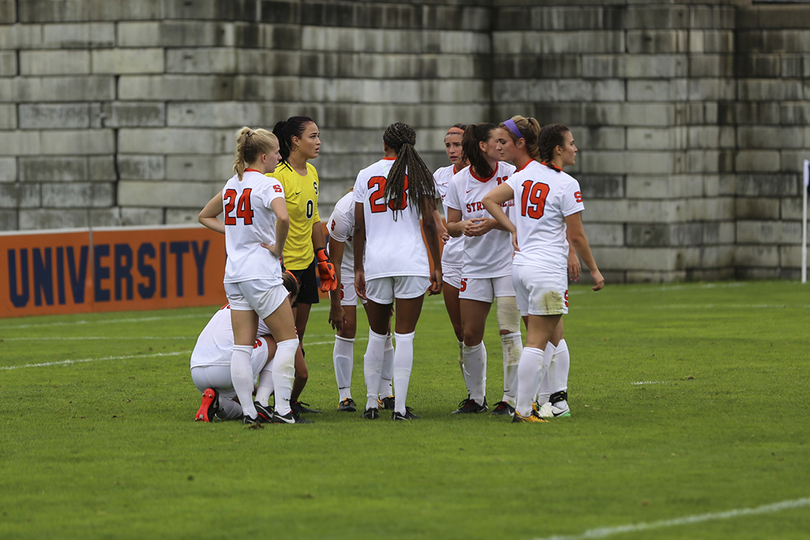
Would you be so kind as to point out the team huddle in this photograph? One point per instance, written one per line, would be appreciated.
(512, 235)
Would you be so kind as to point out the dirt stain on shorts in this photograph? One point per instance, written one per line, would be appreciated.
(552, 301)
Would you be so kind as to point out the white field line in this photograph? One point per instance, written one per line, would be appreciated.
(105, 321)
(639, 383)
(115, 338)
(604, 532)
(132, 356)
(81, 360)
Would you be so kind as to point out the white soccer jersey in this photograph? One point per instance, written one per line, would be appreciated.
(214, 346)
(490, 255)
(341, 228)
(249, 222)
(543, 198)
(454, 248)
(393, 247)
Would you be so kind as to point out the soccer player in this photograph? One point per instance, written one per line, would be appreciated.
(255, 227)
(549, 204)
(305, 250)
(453, 247)
(211, 365)
(343, 310)
(390, 260)
(486, 269)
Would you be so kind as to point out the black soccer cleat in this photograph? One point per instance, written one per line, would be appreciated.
(470, 406)
(265, 413)
(409, 415)
(302, 408)
(502, 408)
(347, 405)
(386, 403)
(289, 418)
(252, 423)
(371, 414)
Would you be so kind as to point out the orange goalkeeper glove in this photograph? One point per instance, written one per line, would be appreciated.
(326, 271)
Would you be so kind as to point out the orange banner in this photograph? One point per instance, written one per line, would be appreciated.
(55, 272)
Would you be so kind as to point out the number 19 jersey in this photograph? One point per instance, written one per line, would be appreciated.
(543, 199)
(393, 247)
(250, 222)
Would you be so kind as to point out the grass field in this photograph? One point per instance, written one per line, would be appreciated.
(689, 406)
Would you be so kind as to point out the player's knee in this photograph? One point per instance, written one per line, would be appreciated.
(508, 315)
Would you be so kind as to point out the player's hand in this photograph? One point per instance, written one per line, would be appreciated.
(326, 271)
(337, 317)
(435, 282)
(574, 266)
(514, 242)
(272, 249)
(360, 283)
(474, 227)
(598, 280)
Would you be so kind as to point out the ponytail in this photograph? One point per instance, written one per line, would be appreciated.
(527, 129)
(408, 166)
(471, 150)
(250, 145)
(286, 130)
(551, 136)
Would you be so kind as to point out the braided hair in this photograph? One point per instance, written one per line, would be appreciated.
(250, 145)
(551, 136)
(408, 173)
(286, 130)
(529, 131)
(471, 151)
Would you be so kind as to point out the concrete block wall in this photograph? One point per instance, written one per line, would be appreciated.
(690, 116)
(690, 119)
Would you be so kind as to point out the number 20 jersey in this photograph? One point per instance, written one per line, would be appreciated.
(543, 199)
(393, 248)
(249, 222)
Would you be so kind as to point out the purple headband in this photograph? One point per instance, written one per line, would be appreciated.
(513, 128)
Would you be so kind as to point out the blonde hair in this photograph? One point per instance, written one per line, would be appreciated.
(250, 145)
(530, 132)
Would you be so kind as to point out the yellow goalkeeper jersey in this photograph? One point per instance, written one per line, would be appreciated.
(301, 194)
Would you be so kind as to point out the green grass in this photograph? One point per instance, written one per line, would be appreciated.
(105, 446)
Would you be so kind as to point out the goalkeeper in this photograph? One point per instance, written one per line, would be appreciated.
(304, 253)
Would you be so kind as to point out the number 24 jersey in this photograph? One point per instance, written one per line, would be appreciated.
(249, 222)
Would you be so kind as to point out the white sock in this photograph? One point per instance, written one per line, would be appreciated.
(242, 378)
(464, 373)
(512, 349)
(545, 387)
(387, 374)
(265, 387)
(529, 374)
(403, 364)
(228, 409)
(475, 361)
(560, 366)
(284, 373)
(372, 366)
(343, 359)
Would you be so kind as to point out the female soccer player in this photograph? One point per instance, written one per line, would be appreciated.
(486, 269)
(390, 259)
(343, 310)
(548, 201)
(255, 217)
(305, 252)
(453, 247)
(211, 365)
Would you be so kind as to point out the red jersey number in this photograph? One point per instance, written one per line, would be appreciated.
(377, 184)
(243, 208)
(533, 201)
